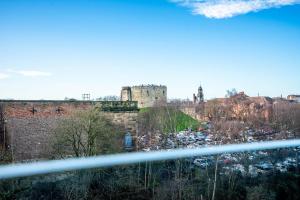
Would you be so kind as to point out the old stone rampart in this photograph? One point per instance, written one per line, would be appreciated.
(27, 126)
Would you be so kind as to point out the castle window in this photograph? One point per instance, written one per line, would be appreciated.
(156, 98)
(148, 92)
(163, 92)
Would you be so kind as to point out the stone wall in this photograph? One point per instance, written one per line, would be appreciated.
(127, 120)
(31, 138)
(195, 111)
(126, 94)
(145, 95)
(29, 124)
(2, 129)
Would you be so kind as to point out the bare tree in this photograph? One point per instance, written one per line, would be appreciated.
(109, 98)
(286, 117)
(215, 179)
(86, 133)
(230, 93)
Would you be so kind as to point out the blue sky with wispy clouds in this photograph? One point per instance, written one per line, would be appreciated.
(54, 49)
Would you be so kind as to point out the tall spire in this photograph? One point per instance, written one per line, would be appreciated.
(200, 94)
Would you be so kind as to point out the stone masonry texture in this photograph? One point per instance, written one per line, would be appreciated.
(29, 125)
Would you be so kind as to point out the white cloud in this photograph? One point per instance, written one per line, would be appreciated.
(219, 9)
(33, 73)
(30, 73)
(3, 76)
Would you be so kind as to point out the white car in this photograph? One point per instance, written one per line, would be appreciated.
(281, 167)
(203, 163)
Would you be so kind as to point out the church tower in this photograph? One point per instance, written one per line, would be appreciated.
(200, 94)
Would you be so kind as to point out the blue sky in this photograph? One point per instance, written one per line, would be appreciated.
(63, 48)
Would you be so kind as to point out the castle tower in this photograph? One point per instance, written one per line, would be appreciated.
(145, 95)
(126, 94)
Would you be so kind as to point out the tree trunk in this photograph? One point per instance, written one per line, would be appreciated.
(215, 180)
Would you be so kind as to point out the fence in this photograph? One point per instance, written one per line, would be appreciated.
(45, 167)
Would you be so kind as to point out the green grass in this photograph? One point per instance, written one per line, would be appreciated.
(185, 121)
(144, 110)
(171, 117)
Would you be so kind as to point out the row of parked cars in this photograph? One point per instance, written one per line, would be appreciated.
(250, 163)
(231, 163)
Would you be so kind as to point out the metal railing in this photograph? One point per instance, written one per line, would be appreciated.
(53, 166)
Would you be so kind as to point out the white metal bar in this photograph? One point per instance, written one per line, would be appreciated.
(52, 166)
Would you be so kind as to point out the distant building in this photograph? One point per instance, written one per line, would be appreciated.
(200, 96)
(145, 95)
(295, 98)
(242, 106)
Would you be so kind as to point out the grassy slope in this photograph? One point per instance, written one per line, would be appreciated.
(183, 121)
(186, 121)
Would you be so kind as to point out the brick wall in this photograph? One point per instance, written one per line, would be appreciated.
(30, 124)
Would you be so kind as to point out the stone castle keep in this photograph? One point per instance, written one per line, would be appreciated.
(145, 95)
